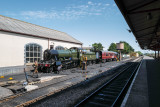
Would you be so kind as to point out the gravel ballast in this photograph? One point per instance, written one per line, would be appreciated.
(71, 96)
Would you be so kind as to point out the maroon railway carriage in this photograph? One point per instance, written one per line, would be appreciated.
(108, 56)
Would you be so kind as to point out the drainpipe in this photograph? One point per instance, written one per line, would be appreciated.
(155, 55)
(158, 54)
(48, 43)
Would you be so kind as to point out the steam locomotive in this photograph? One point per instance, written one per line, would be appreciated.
(72, 57)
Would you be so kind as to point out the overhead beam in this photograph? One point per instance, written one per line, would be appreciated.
(145, 28)
(158, 33)
(143, 5)
(156, 29)
(144, 11)
(145, 35)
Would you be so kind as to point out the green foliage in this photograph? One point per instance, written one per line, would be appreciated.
(127, 48)
(139, 52)
(150, 54)
(97, 46)
(112, 47)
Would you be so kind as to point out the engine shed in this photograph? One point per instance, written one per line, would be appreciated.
(23, 43)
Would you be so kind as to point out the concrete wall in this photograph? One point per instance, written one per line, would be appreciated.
(12, 48)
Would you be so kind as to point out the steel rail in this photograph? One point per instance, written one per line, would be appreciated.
(19, 94)
(127, 83)
(28, 92)
(107, 83)
(6, 99)
(44, 96)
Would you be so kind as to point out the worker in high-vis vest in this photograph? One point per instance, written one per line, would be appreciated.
(84, 63)
(35, 69)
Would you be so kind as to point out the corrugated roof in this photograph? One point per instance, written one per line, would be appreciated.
(17, 26)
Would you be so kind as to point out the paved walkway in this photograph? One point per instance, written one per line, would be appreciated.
(153, 74)
(145, 89)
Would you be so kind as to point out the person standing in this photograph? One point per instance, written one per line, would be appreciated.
(84, 63)
(59, 69)
(35, 69)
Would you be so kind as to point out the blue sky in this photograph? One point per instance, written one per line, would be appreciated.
(89, 21)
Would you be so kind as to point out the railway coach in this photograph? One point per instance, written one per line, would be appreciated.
(109, 56)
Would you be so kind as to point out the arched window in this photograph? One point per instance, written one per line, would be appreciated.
(33, 53)
(59, 48)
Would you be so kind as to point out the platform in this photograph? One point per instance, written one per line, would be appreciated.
(144, 91)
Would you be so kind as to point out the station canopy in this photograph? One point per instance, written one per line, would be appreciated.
(143, 18)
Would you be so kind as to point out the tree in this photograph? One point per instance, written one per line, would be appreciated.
(139, 52)
(127, 48)
(112, 47)
(97, 46)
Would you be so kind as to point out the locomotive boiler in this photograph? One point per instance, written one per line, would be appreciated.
(54, 58)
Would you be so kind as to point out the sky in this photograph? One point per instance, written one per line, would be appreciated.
(89, 21)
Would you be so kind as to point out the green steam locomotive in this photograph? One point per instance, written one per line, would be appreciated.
(73, 57)
(70, 58)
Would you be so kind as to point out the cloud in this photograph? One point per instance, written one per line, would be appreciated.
(69, 12)
(114, 5)
(107, 4)
(99, 4)
(90, 3)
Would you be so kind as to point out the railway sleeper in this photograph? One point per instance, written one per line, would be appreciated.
(115, 87)
(109, 92)
(106, 95)
(118, 84)
(123, 79)
(102, 101)
(112, 89)
(95, 104)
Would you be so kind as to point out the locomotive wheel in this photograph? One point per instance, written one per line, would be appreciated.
(89, 62)
(44, 70)
(103, 61)
(74, 64)
(39, 69)
(70, 65)
(106, 60)
(49, 70)
(92, 62)
(65, 67)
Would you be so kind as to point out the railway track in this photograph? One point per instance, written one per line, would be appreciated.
(9, 100)
(80, 90)
(112, 92)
